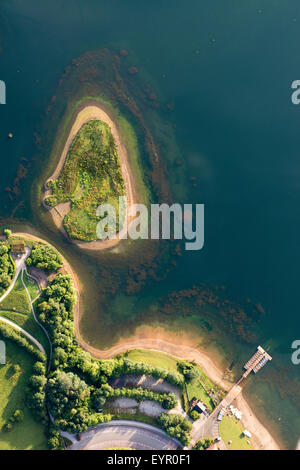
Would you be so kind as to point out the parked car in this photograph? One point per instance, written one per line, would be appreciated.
(221, 414)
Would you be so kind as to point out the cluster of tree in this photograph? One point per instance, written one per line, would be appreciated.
(55, 309)
(16, 417)
(188, 370)
(36, 396)
(203, 444)
(44, 257)
(55, 441)
(7, 268)
(117, 367)
(69, 399)
(176, 426)
(9, 333)
(51, 201)
(7, 233)
(167, 400)
(194, 415)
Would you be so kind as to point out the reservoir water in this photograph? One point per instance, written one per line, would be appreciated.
(227, 67)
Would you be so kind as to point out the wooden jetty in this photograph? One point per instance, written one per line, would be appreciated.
(257, 361)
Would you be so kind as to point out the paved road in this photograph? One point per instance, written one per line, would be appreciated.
(210, 426)
(126, 434)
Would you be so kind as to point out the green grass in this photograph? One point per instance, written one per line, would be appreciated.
(91, 176)
(195, 389)
(134, 417)
(17, 300)
(28, 434)
(231, 430)
(31, 286)
(29, 325)
(154, 358)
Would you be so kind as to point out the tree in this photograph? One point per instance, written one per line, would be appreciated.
(44, 257)
(7, 232)
(203, 444)
(194, 415)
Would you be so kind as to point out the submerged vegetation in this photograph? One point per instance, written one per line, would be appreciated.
(91, 176)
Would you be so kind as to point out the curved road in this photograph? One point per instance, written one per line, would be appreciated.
(126, 434)
(17, 327)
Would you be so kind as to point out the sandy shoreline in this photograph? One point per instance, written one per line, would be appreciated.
(160, 340)
(93, 110)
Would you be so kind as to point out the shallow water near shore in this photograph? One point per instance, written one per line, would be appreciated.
(227, 74)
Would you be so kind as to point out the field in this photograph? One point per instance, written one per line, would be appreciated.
(231, 430)
(28, 324)
(17, 300)
(91, 176)
(31, 286)
(154, 358)
(28, 434)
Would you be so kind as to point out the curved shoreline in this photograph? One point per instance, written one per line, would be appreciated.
(86, 112)
(263, 440)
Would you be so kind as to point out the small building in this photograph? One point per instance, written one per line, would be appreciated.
(18, 247)
(199, 407)
(247, 433)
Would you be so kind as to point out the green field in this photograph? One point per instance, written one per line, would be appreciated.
(17, 300)
(28, 434)
(231, 430)
(29, 325)
(91, 176)
(154, 358)
(32, 287)
(195, 389)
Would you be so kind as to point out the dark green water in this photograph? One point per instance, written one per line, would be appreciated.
(228, 67)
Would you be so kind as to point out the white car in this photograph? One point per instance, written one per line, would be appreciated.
(221, 414)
